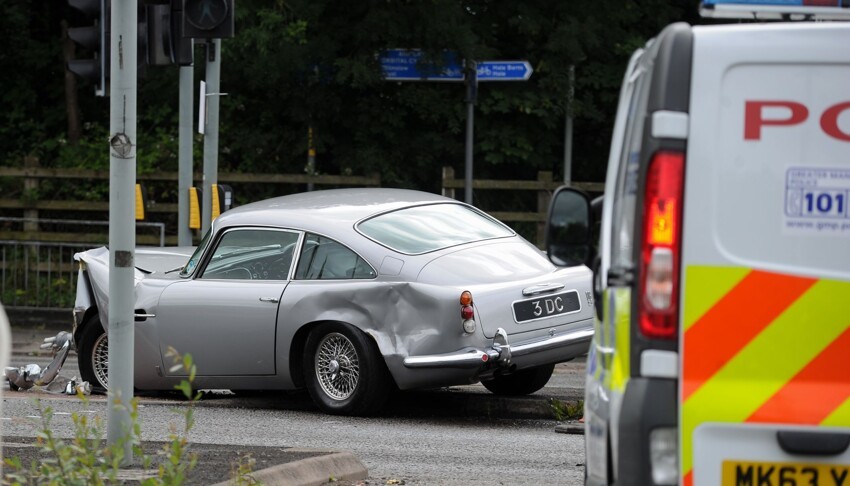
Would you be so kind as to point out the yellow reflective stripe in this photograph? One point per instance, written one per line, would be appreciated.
(216, 205)
(140, 203)
(621, 363)
(750, 378)
(596, 357)
(194, 209)
(840, 417)
(602, 342)
(704, 286)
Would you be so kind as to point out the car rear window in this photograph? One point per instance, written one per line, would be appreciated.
(421, 229)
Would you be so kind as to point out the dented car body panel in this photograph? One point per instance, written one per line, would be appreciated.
(244, 313)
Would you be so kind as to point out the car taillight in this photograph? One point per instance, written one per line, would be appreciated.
(660, 248)
(467, 313)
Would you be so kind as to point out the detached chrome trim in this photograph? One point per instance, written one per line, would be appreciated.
(500, 352)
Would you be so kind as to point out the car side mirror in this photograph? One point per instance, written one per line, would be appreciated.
(569, 227)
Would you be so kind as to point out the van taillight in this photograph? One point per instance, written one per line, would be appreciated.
(660, 249)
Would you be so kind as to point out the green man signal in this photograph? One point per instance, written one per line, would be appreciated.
(208, 19)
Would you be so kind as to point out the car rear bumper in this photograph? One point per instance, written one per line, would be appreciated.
(501, 352)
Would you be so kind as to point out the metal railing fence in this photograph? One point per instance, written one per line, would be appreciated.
(43, 273)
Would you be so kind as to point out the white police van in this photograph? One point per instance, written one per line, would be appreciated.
(722, 351)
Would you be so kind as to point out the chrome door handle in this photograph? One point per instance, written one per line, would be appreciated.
(269, 299)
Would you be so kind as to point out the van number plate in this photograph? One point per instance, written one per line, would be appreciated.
(547, 306)
(737, 473)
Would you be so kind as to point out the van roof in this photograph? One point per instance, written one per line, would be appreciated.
(776, 9)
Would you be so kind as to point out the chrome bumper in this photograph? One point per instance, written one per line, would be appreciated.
(500, 352)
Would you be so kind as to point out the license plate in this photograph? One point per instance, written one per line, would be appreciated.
(737, 473)
(547, 306)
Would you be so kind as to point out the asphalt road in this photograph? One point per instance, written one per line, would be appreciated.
(448, 436)
(416, 450)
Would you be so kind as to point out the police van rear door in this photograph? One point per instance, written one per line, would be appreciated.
(765, 327)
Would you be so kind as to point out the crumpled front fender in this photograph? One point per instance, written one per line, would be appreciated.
(93, 285)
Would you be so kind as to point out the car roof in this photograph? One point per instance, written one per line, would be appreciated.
(315, 210)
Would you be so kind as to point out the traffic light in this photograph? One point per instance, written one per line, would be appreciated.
(94, 38)
(208, 19)
(166, 44)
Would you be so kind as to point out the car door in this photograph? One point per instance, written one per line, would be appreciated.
(226, 315)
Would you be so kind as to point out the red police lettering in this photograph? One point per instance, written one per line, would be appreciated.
(797, 113)
(754, 119)
(829, 121)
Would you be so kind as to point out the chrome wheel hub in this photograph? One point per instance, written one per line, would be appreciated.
(337, 366)
(333, 369)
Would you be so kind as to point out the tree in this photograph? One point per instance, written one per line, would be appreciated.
(296, 64)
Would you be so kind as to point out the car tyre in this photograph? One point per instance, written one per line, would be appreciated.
(523, 382)
(344, 372)
(93, 353)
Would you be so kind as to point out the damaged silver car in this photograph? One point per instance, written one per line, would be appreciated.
(350, 293)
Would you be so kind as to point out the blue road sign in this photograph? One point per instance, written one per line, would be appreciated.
(408, 65)
(405, 65)
(504, 71)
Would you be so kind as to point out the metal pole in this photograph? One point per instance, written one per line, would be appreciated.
(568, 129)
(471, 96)
(211, 131)
(5, 352)
(122, 227)
(184, 178)
(311, 157)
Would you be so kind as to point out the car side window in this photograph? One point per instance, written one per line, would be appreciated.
(325, 259)
(252, 254)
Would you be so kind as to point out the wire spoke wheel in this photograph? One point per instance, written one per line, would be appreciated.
(337, 366)
(100, 359)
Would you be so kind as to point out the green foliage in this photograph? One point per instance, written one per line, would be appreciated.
(87, 460)
(566, 410)
(241, 473)
(25, 277)
(295, 64)
(82, 460)
(177, 465)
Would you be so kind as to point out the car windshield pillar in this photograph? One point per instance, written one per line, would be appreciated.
(192, 263)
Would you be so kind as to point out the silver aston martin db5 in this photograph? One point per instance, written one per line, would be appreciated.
(350, 293)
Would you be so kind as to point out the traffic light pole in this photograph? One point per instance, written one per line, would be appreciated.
(184, 177)
(213, 77)
(471, 98)
(122, 228)
(568, 128)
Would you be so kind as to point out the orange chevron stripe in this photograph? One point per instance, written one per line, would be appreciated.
(733, 322)
(815, 392)
(688, 480)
